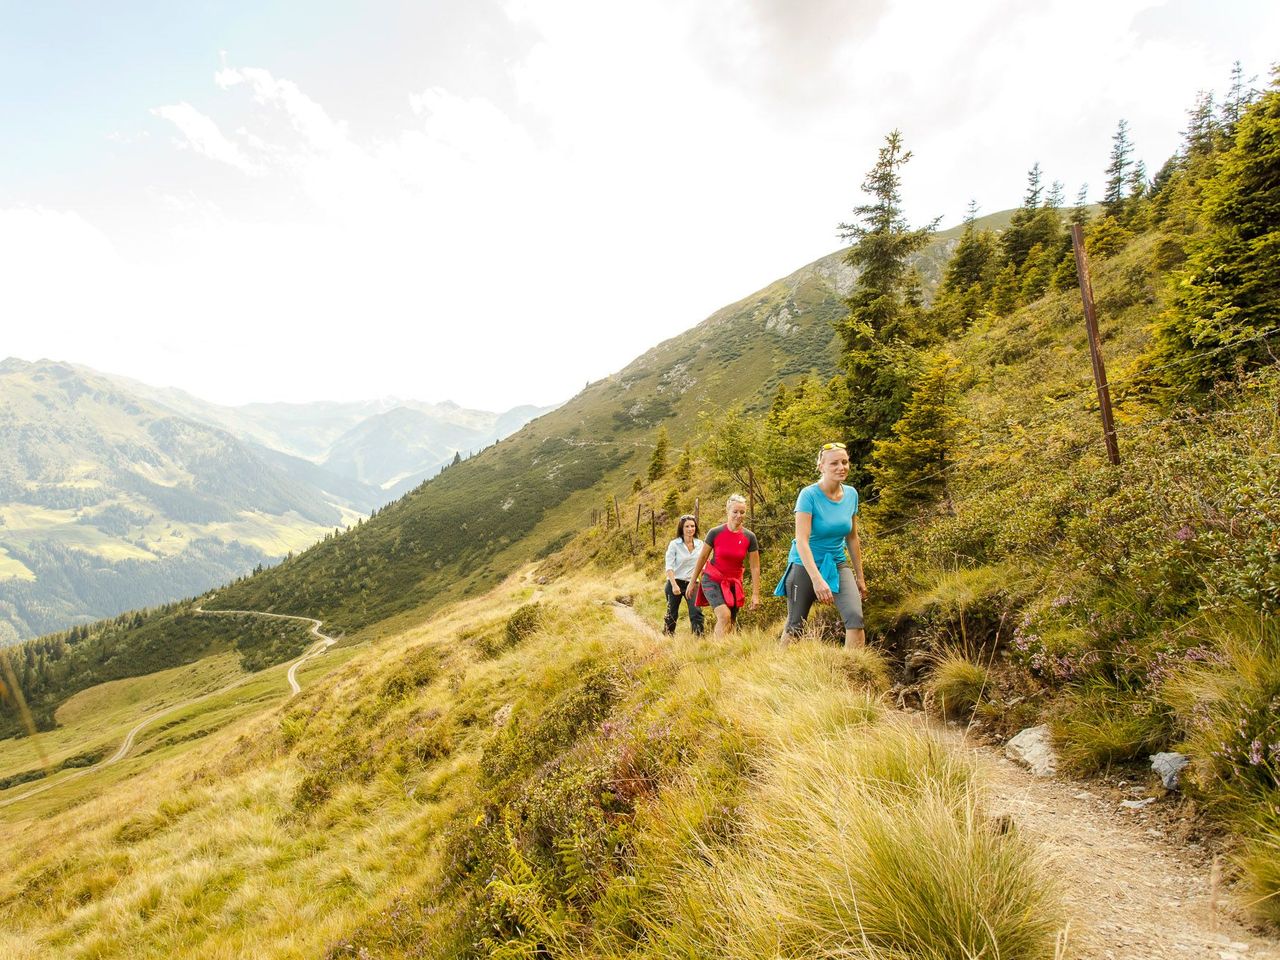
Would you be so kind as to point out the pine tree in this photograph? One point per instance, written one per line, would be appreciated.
(658, 462)
(1080, 212)
(1118, 171)
(878, 333)
(1203, 133)
(1004, 294)
(968, 277)
(1228, 298)
(910, 468)
(671, 505)
(1239, 96)
(684, 467)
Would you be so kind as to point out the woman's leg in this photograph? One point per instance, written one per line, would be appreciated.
(695, 612)
(724, 620)
(849, 603)
(800, 597)
(673, 610)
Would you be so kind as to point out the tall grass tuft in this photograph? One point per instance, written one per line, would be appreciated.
(1225, 698)
(875, 846)
(957, 685)
(867, 668)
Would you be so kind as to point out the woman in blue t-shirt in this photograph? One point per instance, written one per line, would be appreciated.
(825, 563)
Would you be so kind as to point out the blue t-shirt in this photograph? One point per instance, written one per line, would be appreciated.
(832, 522)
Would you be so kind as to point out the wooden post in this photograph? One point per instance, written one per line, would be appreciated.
(751, 494)
(637, 517)
(696, 501)
(653, 526)
(1095, 348)
(617, 511)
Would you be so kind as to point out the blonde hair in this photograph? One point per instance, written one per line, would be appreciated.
(734, 498)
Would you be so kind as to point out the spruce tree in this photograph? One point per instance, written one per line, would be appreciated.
(968, 277)
(1080, 212)
(910, 468)
(878, 332)
(1118, 171)
(1228, 298)
(658, 462)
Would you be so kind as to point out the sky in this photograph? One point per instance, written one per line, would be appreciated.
(497, 202)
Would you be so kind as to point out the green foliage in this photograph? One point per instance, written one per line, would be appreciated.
(1228, 297)
(658, 462)
(1099, 724)
(52, 669)
(958, 685)
(882, 321)
(910, 468)
(867, 668)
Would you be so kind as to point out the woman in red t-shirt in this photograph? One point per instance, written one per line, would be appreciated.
(718, 572)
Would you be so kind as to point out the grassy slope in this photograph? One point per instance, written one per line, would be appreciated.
(447, 792)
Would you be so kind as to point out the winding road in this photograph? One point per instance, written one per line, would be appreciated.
(323, 643)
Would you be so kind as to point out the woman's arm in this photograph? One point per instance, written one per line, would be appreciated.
(804, 526)
(703, 556)
(754, 557)
(671, 573)
(855, 557)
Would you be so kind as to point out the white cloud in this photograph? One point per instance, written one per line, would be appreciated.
(636, 168)
(203, 136)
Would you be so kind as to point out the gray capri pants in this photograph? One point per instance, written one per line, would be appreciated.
(800, 598)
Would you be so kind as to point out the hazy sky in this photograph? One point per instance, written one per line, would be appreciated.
(495, 202)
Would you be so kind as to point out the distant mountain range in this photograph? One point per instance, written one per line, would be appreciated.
(115, 494)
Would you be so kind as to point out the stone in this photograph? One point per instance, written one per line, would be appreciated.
(1033, 749)
(1137, 804)
(1168, 765)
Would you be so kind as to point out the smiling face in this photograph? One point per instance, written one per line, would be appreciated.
(833, 464)
(689, 529)
(737, 513)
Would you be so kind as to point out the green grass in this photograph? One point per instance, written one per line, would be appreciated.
(958, 685)
(577, 786)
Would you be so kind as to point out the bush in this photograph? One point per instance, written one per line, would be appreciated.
(1097, 724)
(867, 668)
(523, 623)
(957, 685)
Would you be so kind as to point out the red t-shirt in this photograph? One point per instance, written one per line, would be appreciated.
(729, 550)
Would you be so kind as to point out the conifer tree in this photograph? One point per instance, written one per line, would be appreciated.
(910, 467)
(1239, 96)
(658, 462)
(684, 467)
(671, 505)
(968, 277)
(1004, 294)
(878, 332)
(1080, 212)
(1118, 171)
(1228, 297)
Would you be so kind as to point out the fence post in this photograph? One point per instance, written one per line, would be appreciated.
(1095, 348)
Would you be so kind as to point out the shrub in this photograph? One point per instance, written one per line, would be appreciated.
(867, 668)
(1097, 724)
(958, 685)
(522, 624)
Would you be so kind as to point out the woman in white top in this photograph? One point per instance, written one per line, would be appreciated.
(682, 554)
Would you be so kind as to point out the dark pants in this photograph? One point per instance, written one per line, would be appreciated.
(673, 609)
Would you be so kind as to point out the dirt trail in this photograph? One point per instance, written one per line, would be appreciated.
(1132, 893)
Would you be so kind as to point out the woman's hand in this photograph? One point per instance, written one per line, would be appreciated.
(862, 588)
(822, 591)
(755, 602)
(675, 588)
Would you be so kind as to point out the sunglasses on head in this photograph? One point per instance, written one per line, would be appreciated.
(833, 446)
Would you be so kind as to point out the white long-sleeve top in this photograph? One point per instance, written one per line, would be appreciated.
(681, 561)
